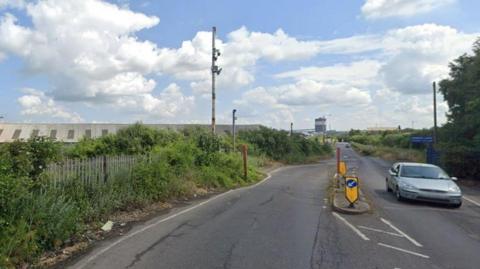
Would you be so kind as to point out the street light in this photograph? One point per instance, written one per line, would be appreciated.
(234, 118)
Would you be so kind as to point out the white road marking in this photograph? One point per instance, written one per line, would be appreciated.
(120, 240)
(324, 207)
(404, 250)
(402, 233)
(378, 230)
(420, 208)
(357, 231)
(471, 201)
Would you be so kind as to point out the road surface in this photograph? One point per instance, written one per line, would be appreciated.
(285, 222)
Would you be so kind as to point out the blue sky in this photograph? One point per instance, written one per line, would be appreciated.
(361, 63)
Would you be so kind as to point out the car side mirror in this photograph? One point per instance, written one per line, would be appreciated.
(454, 178)
(393, 172)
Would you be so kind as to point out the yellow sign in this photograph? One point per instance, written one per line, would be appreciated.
(343, 168)
(351, 189)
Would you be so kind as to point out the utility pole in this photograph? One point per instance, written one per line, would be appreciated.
(434, 113)
(291, 129)
(215, 71)
(234, 118)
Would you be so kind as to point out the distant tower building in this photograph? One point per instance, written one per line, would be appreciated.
(320, 125)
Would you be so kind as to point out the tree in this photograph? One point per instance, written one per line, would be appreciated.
(460, 137)
(462, 93)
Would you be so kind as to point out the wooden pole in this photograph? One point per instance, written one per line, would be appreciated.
(245, 166)
(434, 114)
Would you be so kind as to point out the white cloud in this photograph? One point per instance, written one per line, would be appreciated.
(417, 55)
(240, 53)
(86, 48)
(350, 45)
(376, 9)
(247, 46)
(304, 93)
(309, 92)
(171, 102)
(90, 52)
(280, 105)
(356, 73)
(36, 103)
(408, 60)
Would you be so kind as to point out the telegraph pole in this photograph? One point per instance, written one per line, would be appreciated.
(434, 113)
(215, 71)
(233, 127)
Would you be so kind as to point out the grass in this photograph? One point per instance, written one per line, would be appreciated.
(390, 153)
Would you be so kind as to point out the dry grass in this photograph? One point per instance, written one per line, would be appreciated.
(390, 153)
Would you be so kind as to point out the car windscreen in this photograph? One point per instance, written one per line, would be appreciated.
(423, 172)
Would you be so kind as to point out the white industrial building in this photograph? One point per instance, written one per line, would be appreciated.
(73, 132)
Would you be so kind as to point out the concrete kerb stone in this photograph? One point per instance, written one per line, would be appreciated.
(340, 203)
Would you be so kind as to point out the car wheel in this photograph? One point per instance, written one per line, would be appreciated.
(388, 188)
(398, 195)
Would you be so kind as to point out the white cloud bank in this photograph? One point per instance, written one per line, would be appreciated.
(90, 53)
(407, 60)
(35, 103)
(377, 9)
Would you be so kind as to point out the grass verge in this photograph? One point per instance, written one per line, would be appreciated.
(390, 153)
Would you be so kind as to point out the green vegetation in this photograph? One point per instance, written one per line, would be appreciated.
(279, 146)
(36, 216)
(388, 145)
(460, 138)
(390, 153)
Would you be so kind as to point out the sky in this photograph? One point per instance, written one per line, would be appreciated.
(360, 63)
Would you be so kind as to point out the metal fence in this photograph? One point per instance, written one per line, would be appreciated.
(97, 170)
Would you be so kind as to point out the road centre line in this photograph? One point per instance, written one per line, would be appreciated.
(471, 201)
(357, 231)
(400, 232)
(120, 240)
(378, 230)
(404, 250)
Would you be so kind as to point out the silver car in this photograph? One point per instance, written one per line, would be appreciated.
(423, 182)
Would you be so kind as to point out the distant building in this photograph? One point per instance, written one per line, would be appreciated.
(381, 129)
(320, 125)
(73, 132)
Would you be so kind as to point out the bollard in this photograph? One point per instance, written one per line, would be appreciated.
(338, 160)
(338, 167)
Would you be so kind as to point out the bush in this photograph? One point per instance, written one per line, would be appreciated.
(279, 146)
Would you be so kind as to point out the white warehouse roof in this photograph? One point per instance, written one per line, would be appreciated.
(73, 132)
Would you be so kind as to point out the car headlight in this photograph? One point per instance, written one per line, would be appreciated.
(406, 186)
(454, 189)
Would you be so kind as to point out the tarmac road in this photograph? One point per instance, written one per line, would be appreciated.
(286, 222)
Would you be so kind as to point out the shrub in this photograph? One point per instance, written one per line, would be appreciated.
(279, 146)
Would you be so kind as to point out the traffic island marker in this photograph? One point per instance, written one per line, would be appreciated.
(341, 205)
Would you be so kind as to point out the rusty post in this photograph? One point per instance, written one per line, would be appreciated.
(245, 168)
(338, 160)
